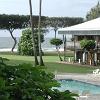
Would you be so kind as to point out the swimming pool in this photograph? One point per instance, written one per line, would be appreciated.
(73, 85)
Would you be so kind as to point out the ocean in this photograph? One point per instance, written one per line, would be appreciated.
(7, 43)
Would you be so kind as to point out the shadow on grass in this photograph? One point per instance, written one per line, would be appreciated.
(52, 67)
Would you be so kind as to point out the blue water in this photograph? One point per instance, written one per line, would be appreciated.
(73, 85)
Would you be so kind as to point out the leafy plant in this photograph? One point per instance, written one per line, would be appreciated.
(25, 46)
(87, 44)
(25, 82)
(94, 12)
(58, 22)
(13, 22)
(57, 43)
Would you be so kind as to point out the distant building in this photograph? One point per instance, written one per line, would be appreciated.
(87, 30)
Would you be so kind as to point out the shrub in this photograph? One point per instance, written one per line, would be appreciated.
(87, 44)
(56, 42)
(25, 82)
(25, 46)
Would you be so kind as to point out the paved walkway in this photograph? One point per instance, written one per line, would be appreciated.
(88, 78)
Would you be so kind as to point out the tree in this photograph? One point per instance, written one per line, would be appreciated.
(60, 22)
(94, 12)
(25, 45)
(32, 29)
(54, 23)
(57, 43)
(88, 45)
(11, 23)
(39, 34)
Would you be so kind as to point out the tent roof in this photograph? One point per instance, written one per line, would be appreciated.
(89, 26)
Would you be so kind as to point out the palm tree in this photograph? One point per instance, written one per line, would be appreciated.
(32, 28)
(39, 35)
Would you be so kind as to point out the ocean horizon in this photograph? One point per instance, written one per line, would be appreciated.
(6, 44)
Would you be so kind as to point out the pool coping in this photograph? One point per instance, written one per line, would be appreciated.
(87, 78)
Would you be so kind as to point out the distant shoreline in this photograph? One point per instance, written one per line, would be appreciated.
(44, 49)
(7, 50)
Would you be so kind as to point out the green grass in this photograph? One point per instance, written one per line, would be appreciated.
(67, 68)
(68, 53)
(51, 64)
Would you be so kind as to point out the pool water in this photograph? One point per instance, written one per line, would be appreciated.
(73, 85)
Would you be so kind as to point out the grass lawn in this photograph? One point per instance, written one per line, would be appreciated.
(51, 64)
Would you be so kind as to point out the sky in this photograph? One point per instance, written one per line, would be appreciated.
(60, 8)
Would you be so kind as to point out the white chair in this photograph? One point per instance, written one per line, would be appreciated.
(96, 72)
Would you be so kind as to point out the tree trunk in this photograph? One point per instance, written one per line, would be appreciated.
(41, 59)
(55, 33)
(39, 35)
(91, 57)
(64, 40)
(32, 28)
(15, 41)
(59, 54)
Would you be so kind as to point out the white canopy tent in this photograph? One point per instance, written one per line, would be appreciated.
(91, 27)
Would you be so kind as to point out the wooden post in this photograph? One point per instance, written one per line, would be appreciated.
(74, 49)
(90, 62)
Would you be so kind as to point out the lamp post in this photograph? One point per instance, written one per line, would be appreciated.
(39, 34)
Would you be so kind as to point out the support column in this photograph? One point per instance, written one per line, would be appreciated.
(95, 57)
(75, 56)
(90, 62)
(79, 61)
(84, 57)
(96, 41)
(85, 37)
